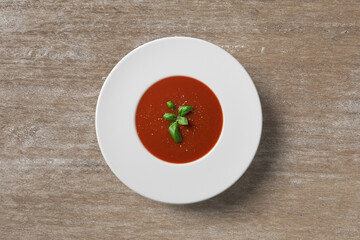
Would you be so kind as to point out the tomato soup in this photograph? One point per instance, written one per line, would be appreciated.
(204, 121)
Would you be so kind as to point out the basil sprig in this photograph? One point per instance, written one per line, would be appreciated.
(176, 120)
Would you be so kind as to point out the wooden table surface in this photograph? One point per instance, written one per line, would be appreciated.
(304, 57)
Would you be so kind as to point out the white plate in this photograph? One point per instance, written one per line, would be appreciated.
(157, 179)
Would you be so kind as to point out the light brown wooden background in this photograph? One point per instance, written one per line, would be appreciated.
(304, 57)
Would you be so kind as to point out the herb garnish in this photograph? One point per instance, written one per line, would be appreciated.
(176, 120)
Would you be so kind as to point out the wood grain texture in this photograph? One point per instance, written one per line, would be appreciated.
(304, 57)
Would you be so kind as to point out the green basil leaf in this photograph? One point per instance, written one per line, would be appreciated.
(170, 116)
(171, 105)
(182, 121)
(174, 132)
(183, 110)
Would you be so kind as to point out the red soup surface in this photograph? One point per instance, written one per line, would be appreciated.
(204, 123)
